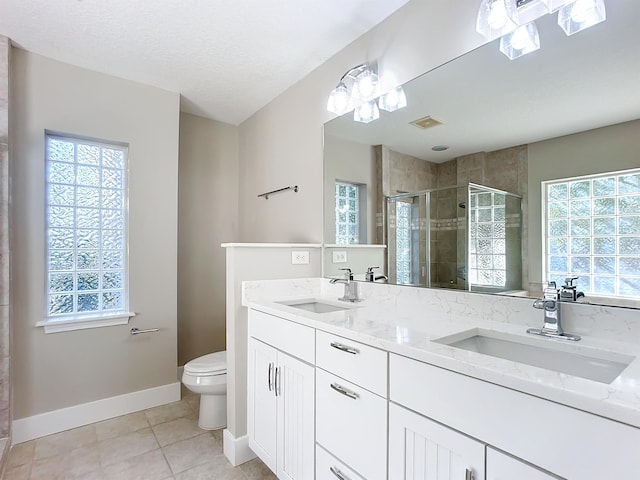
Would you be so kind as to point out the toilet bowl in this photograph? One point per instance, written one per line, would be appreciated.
(207, 376)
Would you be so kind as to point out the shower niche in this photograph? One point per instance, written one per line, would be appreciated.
(464, 237)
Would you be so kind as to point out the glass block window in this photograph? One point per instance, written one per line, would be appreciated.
(347, 213)
(487, 243)
(86, 225)
(592, 228)
(403, 242)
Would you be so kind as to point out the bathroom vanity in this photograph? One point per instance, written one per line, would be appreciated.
(405, 385)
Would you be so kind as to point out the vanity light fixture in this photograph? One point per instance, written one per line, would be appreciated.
(581, 14)
(393, 100)
(359, 88)
(513, 21)
(521, 41)
(495, 18)
(367, 112)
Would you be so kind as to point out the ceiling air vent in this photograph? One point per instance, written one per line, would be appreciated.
(426, 122)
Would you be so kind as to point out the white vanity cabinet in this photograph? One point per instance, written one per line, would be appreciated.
(564, 441)
(281, 395)
(504, 467)
(421, 449)
(351, 408)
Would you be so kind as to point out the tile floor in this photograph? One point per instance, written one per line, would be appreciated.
(162, 443)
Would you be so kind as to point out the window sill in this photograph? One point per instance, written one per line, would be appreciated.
(81, 322)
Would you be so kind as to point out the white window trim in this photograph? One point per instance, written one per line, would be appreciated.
(82, 322)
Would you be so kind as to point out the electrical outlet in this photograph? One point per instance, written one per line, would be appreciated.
(300, 257)
(339, 256)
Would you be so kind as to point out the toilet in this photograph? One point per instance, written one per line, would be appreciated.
(207, 376)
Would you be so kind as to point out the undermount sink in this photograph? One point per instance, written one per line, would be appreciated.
(315, 306)
(596, 365)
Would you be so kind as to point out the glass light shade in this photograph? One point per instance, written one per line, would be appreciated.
(554, 5)
(580, 15)
(495, 18)
(521, 41)
(367, 112)
(393, 100)
(340, 100)
(365, 85)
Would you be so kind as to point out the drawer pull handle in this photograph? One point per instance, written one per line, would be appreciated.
(270, 377)
(345, 348)
(277, 381)
(338, 473)
(344, 391)
(468, 475)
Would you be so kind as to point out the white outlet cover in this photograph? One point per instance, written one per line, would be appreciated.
(300, 257)
(339, 256)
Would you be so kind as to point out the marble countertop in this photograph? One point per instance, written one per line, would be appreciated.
(406, 321)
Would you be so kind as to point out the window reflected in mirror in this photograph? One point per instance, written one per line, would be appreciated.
(593, 233)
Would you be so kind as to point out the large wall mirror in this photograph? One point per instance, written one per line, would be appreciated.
(506, 181)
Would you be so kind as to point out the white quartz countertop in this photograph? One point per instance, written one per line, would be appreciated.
(406, 321)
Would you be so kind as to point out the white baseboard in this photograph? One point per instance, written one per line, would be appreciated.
(25, 429)
(236, 450)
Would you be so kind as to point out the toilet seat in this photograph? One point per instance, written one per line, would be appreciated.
(208, 365)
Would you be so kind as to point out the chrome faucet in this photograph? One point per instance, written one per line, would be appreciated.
(569, 292)
(371, 277)
(350, 287)
(550, 304)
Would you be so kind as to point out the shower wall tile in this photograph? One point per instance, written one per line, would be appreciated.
(447, 174)
(4, 89)
(5, 386)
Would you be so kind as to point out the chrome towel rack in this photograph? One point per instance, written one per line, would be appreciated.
(280, 190)
(137, 331)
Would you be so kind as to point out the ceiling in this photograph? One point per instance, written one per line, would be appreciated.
(227, 58)
(487, 102)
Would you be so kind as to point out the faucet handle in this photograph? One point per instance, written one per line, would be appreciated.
(568, 282)
(370, 269)
(551, 291)
(348, 275)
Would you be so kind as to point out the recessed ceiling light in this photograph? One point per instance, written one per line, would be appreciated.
(440, 148)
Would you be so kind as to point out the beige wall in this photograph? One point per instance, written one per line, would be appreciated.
(63, 369)
(601, 150)
(282, 143)
(207, 217)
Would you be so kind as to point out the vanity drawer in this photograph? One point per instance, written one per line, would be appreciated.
(329, 467)
(351, 423)
(356, 362)
(290, 337)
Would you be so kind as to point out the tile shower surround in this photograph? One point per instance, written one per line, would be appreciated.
(502, 169)
(5, 335)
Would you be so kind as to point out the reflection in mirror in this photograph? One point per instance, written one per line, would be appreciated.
(570, 109)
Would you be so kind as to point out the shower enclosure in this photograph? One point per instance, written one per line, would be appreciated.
(465, 237)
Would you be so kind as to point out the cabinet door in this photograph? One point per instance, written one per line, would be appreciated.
(295, 404)
(261, 401)
(421, 449)
(504, 467)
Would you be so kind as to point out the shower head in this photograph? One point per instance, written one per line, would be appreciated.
(462, 205)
